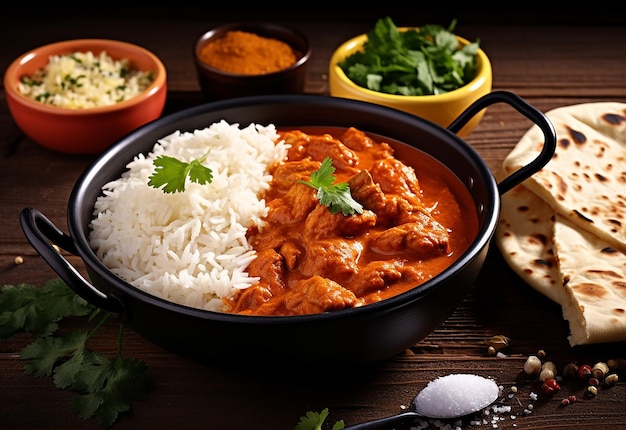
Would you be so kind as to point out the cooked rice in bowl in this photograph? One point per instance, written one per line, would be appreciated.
(191, 247)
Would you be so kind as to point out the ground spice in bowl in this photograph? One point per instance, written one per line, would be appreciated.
(245, 53)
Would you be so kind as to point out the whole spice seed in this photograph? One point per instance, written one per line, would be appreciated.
(548, 371)
(611, 379)
(499, 342)
(532, 366)
(570, 371)
(617, 364)
(592, 391)
(584, 371)
(550, 386)
(599, 370)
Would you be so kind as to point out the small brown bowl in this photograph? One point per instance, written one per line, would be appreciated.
(217, 84)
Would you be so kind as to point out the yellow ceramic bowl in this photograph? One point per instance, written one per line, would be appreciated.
(441, 109)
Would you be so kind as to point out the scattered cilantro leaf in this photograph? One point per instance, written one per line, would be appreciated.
(103, 388)
(336, 196)
(171, 174)
(108, 387)
(314, 421)
(423, 61)
(25, 308)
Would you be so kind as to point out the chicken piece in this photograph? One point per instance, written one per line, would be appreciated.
(335, 259)
(425, 236)
(285, 175)
(365, 191)
(250, 300)
(375, 276)
(294, 206)
(270, 268)
(395, 177)
(291, 253)
(272, 238)
(321, 223)
(320, 147)
(299, 142)
(356, 139)
(317, 294)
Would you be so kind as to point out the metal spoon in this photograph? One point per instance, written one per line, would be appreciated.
(450, 396)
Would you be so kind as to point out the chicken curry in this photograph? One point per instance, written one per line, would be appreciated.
(416, 221)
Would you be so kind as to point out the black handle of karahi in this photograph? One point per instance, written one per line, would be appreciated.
(530, 112)
(43, 235)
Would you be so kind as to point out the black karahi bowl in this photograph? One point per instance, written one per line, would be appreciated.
(352, 337)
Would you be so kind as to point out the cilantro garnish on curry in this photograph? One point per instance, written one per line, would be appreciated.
(418, 61)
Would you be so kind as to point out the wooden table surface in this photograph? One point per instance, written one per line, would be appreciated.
(551, 60)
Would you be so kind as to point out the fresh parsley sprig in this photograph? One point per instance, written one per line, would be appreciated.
(336, 196)
(103, 388)
(171, 173)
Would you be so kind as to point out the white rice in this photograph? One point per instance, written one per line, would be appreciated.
(84, 80)
(189, 247)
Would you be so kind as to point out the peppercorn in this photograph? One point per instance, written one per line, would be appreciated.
(611, 379)
(617, 364)
(584, 371)
(571, 398)
(550, 386)
(594, 381)
(541, 354)
(570, 371)
(599, 370)
(592, 391)
(565, 402)
(548, 371)
(532, 366)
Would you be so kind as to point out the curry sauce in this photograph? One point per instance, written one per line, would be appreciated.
(417, 220)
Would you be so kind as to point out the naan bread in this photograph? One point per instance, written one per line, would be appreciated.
(570, 266)
(585, 181)
(593, 274)
(524, 237)
(564, 229)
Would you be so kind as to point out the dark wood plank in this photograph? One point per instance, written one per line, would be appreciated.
(549, 63)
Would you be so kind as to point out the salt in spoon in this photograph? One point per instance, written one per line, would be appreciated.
(449, 396)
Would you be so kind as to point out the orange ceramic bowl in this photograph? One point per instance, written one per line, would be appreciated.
(89, 130)
(441, 109)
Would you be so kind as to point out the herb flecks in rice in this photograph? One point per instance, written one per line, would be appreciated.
(189, 247)
(84, 80)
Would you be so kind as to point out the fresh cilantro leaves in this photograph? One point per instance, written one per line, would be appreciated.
(424, 61)
(314, 421)
(103, 388)
(171, 174)
(336, 196)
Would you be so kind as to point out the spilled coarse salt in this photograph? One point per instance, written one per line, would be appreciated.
(455, 395)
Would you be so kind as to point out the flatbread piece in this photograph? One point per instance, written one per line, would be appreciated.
(563, 230)
(585, 181)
